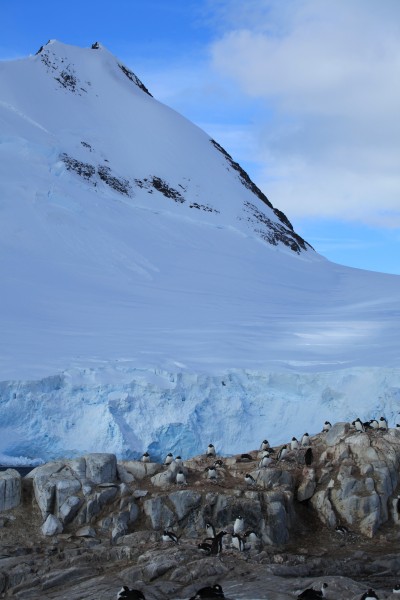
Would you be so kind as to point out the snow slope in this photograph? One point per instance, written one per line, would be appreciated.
(151, 295)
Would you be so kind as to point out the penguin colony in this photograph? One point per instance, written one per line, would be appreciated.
(241, 539)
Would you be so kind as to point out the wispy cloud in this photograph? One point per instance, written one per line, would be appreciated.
(328, 72)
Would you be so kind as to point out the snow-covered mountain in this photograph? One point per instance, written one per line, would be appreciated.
(151, 295)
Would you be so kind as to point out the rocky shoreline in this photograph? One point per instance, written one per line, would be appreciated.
(82, 528)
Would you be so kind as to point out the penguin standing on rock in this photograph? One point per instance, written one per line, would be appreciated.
(327, 426)
(294, 444)
(146, 457)
(370, 595)
(249, 479)
(305, 440)
(168, 459)
(311, 594)
(180, 477)
(238, 542)
(265, 461)
(282, 453)
(209, 592)
(210, 450)
(126, 594)
(264, 445)
(211, 473)
(178, 460)
(210, 530)
(170, 536)
(358, 425)
(238, 526)
(383, 425)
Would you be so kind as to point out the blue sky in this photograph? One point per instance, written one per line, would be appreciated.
(305, 94)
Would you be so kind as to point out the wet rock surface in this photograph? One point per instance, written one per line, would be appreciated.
(85, 527)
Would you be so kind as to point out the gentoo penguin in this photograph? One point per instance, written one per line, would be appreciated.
(308, 457)
(396, 589)
(374, 424)
(146, 457)
(210, 450)
(238, 526)
(383, 425)
(370, 595)
(169, 536)
(244, 457)
(311, 594)
(249, 480)
(238, 541)
(211, 472)
(342, 530)
(251, 536)
(294, 444)
(218, 463)
(180, 477)
(282, 453)
(209, 592)
(264, 445)
(218, 538)
(327, 426)
(168, 459)
(305, 440)
(126, 594)
(178, 460)
(358, 425)
(210, 530)
(265, 462)
(397, 425)
(205, 547)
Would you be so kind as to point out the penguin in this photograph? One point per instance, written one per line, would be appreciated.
(249, 480)
(168, 459)
(294, 444)
(211, 472)
(210, 450)
(370, 595)
(245, 457)
(308, 457)
(397, 425)
(396, 589)
(342, 530)
(180, 477)
(178, 460)
(374, 424)
(383, 425)
(218, 463)
(210, 530)
(238, 526)
(305, 440)
(264, 445)
(264, 453)
(251, 536)
(169, 536)
(205, 548)
(265, 462)
(218, 538)
(358, 426)
(145, 457)
(209, 592)
(282, 453)
(326, 427)
(311, 594)
(238, 542)
(126, 594)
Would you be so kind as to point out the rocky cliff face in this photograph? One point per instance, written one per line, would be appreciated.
(327, 498)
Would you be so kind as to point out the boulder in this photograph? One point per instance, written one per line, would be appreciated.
(101, 467)
(160, 515)
(51, 526)
(10, 489)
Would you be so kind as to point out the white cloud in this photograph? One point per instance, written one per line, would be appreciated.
(329, 72)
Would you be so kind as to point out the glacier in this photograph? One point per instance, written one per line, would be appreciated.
(128, 411)
(152, 298)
